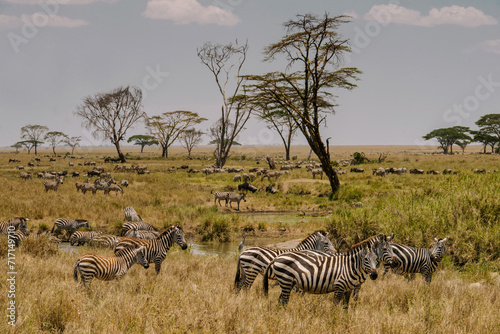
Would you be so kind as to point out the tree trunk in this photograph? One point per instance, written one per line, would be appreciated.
(72, 150)
(287, 153)
(120, 154)
(484, 148)
(142, 148)
(54, 150)
(36, 153)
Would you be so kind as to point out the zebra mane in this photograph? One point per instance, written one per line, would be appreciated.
(368, 242)
(169, 231)
(323, 233)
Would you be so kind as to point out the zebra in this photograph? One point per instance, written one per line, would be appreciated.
(254, 260)
(19, 223)
(106, 241)
(410, 260)
(106, 268)
(141, 234)
(320, 273)
(103, 185)
(69, 225)
(25, 176)
(17, 237)
(89, 187)
(113, 187)
(234, 197)
(52, 185)
(156, 249)
(317, 172)
(82, 237)
(131, 215)
(137, 226)
(218, 195)
(80, 185)
(124, 183)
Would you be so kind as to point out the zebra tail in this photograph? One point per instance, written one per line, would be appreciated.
(266, 280)
(76, 270)
(238, 278)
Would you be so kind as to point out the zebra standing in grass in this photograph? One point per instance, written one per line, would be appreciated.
(254, 260)
(106, 268)
(106, 241)
(218, 195)
(82, 237)
(142, 234)
(156, 249)
(131, 215)
(69, 225)
(234, 197)
(19, 223)
(320, 273)
(410, 260)
(53, 185)
(140, 226)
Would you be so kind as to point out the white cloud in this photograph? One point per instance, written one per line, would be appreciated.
(39, 19)
(456, 15)
(188, 11)
(490, 46)
(59, 2)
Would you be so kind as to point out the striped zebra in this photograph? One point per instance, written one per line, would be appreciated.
(17, 237)
(53, 185)
(320, 273)
(410, 260)
(140, 226)
(70, 225)
(105, 241)
(82, 237)
(156, 249)
(19, 223)
(131, 215)
(141, 234)
(106, 268)
(218, 195)
(234, 197)
(254, 260)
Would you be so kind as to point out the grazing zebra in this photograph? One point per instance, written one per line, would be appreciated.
(19, 223)
(69, 225)
(142, 226)
(88, 187)
(410, 260)
(113, 187)
(141, 234)
(80, 185)
(82, 237)
(317, 172)
(124, 183)
(103, 185)
(234, 197)
(52, 185)
(254, 260)
(131, 215)
(108, 267)
(25, 176)
(320, 273)
(156, 249)
(218, 195)
(106, 241)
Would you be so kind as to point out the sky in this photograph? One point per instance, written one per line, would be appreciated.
(426, 64)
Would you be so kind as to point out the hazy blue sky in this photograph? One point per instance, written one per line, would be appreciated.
(426, 64)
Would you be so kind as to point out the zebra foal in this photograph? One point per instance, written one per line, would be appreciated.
(70, 225)
(155, 250)
(106, 268)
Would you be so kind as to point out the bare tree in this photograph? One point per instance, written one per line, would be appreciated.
(314, 51)
(55, 138)
(167, 127)
(112, 114)
(191, 138)
(73, 142)
(222, 61)
(33, 134)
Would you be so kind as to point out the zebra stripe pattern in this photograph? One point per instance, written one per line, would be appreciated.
(234, 197)
(218, 195)
(254, 260)
(131, 215)
(69, 225)
(105, 241)
(106, 268)
(82, 237)
(139, 226)
(141, 234)
(320, 273)
(19, 223)
(155, 250)
(410, 260)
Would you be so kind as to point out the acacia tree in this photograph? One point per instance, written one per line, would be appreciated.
(32, 135)
(143, 140)
(191, 138)
(17, 146)
(112, 114)
(167, 127)
(223, 61)
(447, 137)
(485, 138)
(313, 49)
(73, 142)
(55, 138)
(490, 124)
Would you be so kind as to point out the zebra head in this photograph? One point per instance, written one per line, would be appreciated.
(384, 250)
(437, 249)
(23, 226)
(325, 245)
(369, 258)
(141, 259)
(179, 237)
(83, 223)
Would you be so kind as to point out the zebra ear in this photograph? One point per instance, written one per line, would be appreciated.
(389, 238)
(444, 239)
(436, 240)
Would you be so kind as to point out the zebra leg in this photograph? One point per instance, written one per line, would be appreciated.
(284, 296)
(346, 297)
(355, 293)
(158, 262)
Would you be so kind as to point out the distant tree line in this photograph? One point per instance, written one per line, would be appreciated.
(32, 136)
(488, 135)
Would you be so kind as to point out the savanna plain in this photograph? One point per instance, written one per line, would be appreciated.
(194, 292)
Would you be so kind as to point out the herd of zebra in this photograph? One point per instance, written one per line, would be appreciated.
(314, 266)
